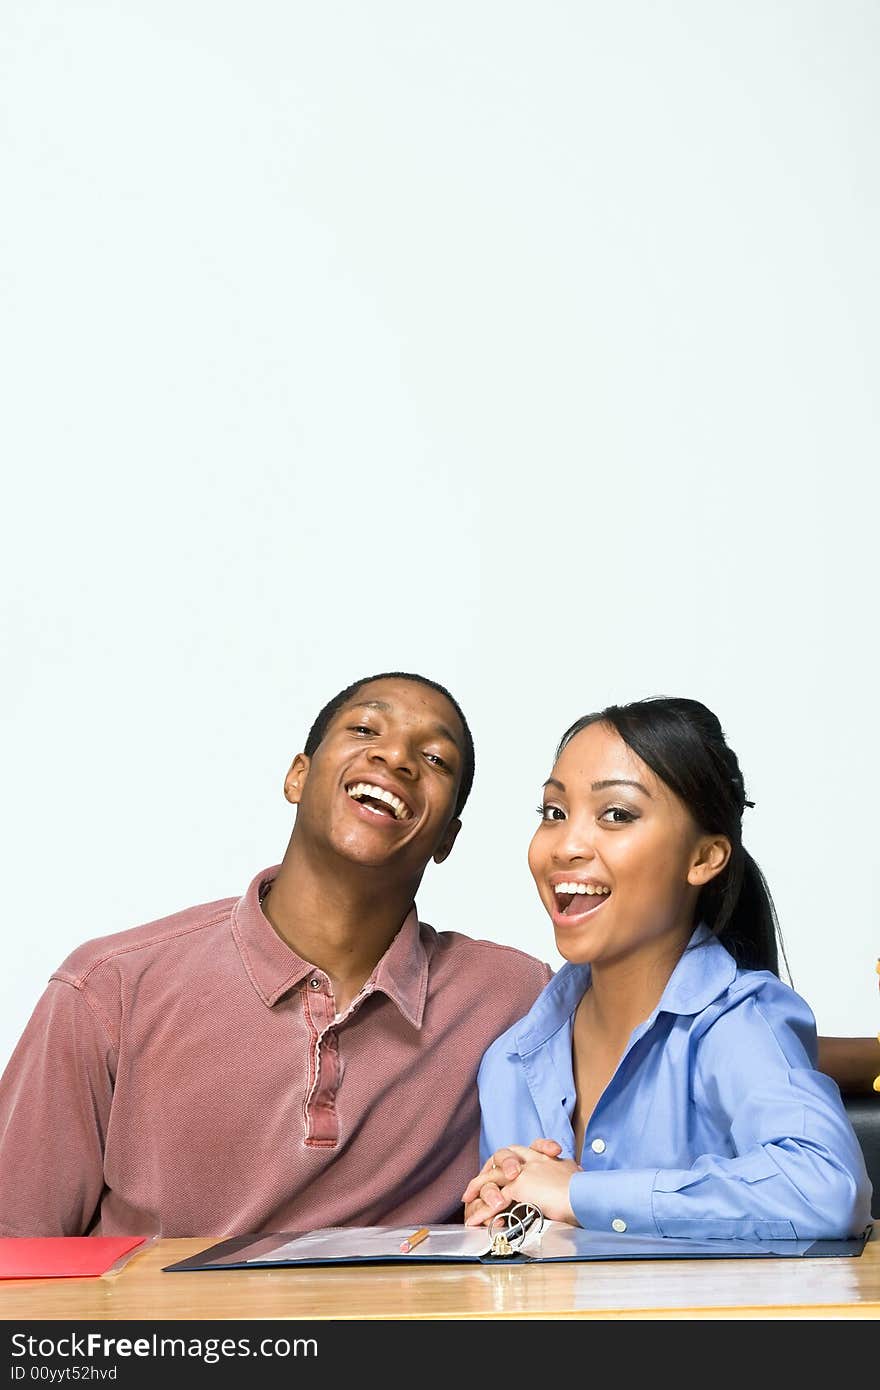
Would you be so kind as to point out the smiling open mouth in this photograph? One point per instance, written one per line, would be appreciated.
(577, 899)
(382, 803)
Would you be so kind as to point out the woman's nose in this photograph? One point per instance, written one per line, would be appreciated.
(575, 844)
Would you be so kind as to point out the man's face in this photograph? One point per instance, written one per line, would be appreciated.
(380, 788)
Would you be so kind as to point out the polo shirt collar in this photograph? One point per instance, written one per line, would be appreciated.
(402, 973)
(273, 967)
(706, 969)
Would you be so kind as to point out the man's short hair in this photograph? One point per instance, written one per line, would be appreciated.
(319, 728)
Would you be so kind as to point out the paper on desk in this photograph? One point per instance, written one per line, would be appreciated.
(378, 1242)
(62, 1257)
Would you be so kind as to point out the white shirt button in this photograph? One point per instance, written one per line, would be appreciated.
(315, 982)
(598, 1146)
(618, 1225)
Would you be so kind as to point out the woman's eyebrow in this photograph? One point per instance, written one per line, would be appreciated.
(619, 782)
(600, 786)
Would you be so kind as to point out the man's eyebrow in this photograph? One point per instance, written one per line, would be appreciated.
(442, 730)
(384, 707)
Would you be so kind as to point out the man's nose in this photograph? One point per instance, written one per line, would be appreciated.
(395, 751)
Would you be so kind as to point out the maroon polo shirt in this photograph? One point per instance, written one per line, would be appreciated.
(191, 1077)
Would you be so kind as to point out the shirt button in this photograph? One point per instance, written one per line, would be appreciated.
(618, 1225)
(315, 982)
(598, 1146)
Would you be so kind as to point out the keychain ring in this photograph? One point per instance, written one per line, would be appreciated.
(507, 1230)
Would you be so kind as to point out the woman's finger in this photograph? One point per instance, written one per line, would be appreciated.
(490, 1202)
(493, 1173)
(546, 1146)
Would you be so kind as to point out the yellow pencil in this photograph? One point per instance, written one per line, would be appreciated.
(415, 1239)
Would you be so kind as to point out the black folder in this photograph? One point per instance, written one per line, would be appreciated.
(459, 1244)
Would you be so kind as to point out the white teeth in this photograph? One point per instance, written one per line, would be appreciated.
(594, 890)
(401, 811)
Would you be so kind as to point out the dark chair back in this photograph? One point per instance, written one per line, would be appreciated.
(864, 1116)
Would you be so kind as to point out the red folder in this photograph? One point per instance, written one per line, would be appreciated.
(61, 1257)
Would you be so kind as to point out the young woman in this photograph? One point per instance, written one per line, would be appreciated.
(664, 1082)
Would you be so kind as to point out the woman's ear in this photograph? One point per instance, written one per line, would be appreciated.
(712, 855)
(296, 778)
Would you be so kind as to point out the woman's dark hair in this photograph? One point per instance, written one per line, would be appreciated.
(683, 743)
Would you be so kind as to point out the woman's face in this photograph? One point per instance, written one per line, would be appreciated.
(618, 859)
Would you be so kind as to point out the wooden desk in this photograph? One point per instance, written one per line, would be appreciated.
(772, 1288)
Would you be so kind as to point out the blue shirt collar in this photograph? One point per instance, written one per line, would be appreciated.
(706, 969)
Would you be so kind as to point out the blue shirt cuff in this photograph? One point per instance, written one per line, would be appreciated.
(614, 1202)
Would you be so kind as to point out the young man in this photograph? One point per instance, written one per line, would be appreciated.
(303, 1056)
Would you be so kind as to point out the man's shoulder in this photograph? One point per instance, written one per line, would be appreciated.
(509, 961)
(138, 945)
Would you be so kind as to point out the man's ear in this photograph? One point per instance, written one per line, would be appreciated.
(444, 849)
(296, 778)
(713, 855)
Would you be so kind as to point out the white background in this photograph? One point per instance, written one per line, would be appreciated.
(530, 346)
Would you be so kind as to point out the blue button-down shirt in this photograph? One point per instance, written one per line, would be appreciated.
(716, 1124)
